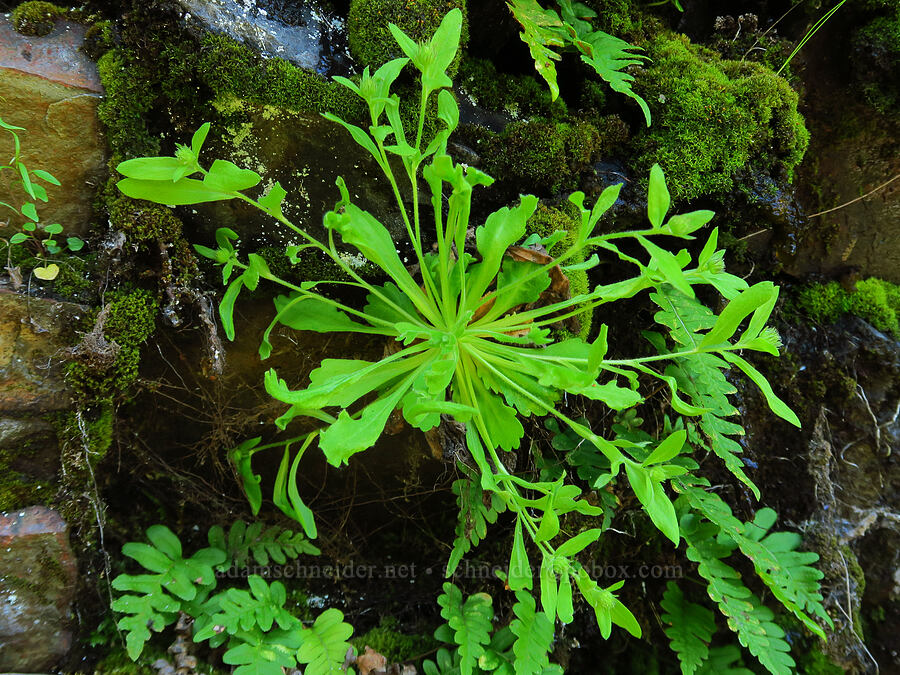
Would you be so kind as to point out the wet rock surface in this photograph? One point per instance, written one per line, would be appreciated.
(37, 585)
(34, 334)
(303, 33)
(838, 479)
(52, 90)
(306, 154)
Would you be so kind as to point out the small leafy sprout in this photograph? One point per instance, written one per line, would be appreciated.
(39, 238)
(473, 335)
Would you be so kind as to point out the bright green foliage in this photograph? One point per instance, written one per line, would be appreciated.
(470, 622)
(520, 649)
(260, 635)
(325, 644)
(724, 661)
(534, 636)
(690, 628)
(473, 333)
(787, 572)
(161, 595)
(260, 542)
(545, 30)
(370, 38)
(874, 300)
(715, 118)
(35, 17)
(40, 239)
(752, 622)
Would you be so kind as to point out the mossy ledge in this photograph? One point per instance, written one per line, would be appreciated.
(873, 300)
(714, 119)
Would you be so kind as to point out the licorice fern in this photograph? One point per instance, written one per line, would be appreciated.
(545, 30)
(262, 543)
(260, 635)
(690, 628)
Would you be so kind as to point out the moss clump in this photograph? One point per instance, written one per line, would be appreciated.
(100, 372)
(713, 119)
(99, 39)
(516, 95)
(547, 220)
(876, 62)
(386, 639)
(874, 300)
(540, 155)
(371, 41)
(126, 106)
(36, 18)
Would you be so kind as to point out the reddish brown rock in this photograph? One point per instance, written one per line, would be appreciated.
(37, 585)
(52, 90)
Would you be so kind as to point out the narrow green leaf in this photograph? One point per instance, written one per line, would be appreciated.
(777, 406)
(519, 567)
(757, 296)
(658, 200)
(579, 542)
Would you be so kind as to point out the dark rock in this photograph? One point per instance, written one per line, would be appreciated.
(37, 585)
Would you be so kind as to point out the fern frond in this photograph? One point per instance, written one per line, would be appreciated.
(544, 31)
(257, 653)
(477, 510)
(470, 622)
(746, 616)
(787, 572)
(275, 543)
(534, 636)
(325, 645)
(702, 378)
(690, 628)
(722, 661)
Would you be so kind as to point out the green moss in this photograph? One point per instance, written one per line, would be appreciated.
(714, 118)
(73, 280)
(540, 155)
(371, 42)
(16, 489)
(387, 640)
(876, 61)
(36, 18)
(874, 300)
(99, 39)
(126, 105)
(547, 220)
(516, 95)
(130, 320)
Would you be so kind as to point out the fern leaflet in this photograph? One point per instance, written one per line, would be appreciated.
(746, 616)
(534, 636)
(702, 378)
(544, 31)
(690, 630)
(470, 622)
(325, 644)
(275, 543)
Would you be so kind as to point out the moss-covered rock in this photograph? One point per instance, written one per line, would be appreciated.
(540, 155)
(106, 362)
(714, 119)
(876, 62)
(36, 18)
(370, 38)
(873, 300)
(514, 95)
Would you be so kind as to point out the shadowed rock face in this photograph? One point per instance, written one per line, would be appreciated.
(37, 585)
(52, 90)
